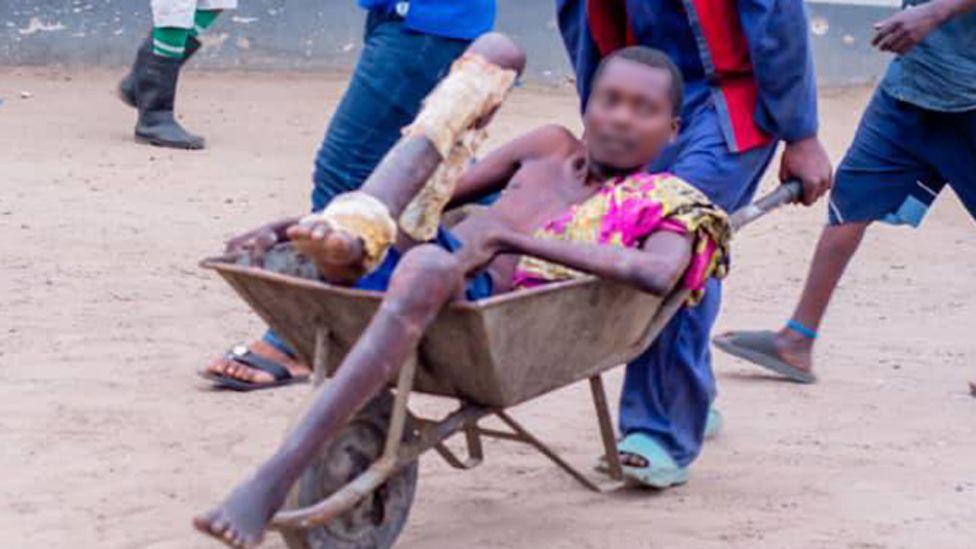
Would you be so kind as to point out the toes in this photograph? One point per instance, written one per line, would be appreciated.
(210, 523)
(217, 367)
(202, 524)
(632, 460)
(219, 527)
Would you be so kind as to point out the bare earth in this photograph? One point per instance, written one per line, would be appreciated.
(110, 440)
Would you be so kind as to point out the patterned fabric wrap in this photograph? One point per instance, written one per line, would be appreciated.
(625, 212)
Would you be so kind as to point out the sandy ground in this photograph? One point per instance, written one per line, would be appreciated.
(110, 440)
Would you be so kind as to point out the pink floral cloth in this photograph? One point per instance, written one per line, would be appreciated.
(624, 213)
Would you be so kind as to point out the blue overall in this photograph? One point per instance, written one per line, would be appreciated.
(403, 57)
(668, 389)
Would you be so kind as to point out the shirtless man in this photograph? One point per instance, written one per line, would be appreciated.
(576, 196)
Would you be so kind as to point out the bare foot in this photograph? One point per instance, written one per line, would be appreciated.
(241, 519)
(339, 256)
(226, 366)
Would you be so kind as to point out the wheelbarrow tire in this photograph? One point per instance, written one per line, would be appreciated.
(378, 519)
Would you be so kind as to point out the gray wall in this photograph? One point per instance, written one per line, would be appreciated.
(326, 34)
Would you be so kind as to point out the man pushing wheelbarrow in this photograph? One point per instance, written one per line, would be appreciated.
(569, 207)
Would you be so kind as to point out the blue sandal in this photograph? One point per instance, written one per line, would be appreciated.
(713, 426)
(661, 470)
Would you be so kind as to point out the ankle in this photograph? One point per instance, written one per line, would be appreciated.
(169, 42)
(796, 336)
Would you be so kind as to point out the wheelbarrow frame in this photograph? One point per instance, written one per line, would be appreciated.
(433, 433)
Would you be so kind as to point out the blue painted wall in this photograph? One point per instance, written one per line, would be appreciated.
(326, 34)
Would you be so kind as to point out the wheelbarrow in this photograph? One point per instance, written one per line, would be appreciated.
(488, 355)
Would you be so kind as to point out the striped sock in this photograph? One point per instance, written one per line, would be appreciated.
(169, 41)
(203, 19)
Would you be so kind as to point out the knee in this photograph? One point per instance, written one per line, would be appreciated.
(427, 274)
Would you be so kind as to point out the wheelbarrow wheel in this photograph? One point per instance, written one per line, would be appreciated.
(376, 521)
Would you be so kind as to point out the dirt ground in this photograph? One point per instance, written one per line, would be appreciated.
(110, 440)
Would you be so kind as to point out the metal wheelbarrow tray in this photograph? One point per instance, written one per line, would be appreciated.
(489, 355)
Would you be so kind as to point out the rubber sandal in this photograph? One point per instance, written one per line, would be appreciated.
(758, 348)
(247, 357)
(661, 470)
(713, 426)
(714, 423)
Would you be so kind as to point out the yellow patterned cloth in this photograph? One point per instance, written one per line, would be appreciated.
(624, 213)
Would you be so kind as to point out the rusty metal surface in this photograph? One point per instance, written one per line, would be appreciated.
(497, 352)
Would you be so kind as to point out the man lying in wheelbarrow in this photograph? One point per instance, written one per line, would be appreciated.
(568, 206)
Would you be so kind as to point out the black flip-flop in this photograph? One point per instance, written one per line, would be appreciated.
(247, 357)
(758, 348)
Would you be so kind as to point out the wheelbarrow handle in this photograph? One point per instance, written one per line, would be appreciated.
(787, 193)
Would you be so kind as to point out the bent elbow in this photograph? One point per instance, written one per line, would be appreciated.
(658, 279)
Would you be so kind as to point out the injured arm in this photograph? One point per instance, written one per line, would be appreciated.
(493, 172)
(654, 268)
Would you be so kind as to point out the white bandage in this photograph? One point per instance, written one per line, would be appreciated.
(422, 216)
(361, 215)
(473, 89)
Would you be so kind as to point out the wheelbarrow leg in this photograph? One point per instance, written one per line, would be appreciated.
(320, 358)
(606, 427)
(522, 435)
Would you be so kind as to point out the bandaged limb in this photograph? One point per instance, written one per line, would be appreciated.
(421, 170)
(453, 119)
(362, 215)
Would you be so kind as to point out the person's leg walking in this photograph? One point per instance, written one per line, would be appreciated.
(889, 174)
(152, 83)
(668, 389)
(834, 251)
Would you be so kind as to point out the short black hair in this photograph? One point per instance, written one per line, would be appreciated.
(653, 58)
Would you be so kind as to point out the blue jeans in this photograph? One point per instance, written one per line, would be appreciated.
(669, 388)
(396, 70)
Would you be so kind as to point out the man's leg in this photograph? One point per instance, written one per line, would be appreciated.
(396, 70)
(888, 174)
(424, 281)
(152, 83)
(668, 389)
(127, 86)
(834, 251)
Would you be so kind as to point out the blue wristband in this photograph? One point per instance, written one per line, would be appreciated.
(801, 329)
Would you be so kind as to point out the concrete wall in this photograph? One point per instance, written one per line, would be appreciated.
(326, 34)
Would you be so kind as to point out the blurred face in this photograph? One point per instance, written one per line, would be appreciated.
(628, 118)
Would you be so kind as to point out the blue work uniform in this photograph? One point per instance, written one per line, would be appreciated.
(917, 135)
(749, 83)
